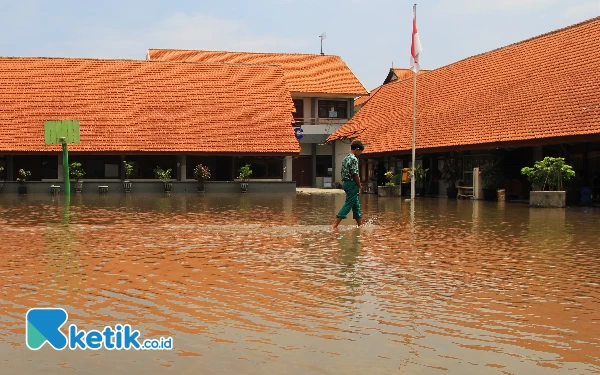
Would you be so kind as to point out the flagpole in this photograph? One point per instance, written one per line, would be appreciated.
(414, 133)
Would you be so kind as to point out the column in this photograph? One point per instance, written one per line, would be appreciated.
(122, 168)
(333, 168)
(341, 150)
(314, 163)
(9, 168)
(181, 168)
(538, 154)
(287, 168)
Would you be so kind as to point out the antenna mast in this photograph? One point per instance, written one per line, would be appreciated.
(322, 36)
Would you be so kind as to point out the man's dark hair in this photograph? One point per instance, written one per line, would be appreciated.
(357, 144)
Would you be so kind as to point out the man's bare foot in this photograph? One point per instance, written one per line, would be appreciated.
(336, 223)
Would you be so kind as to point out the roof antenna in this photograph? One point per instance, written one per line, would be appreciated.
(322, 36)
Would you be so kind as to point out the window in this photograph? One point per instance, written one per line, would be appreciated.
(299, 104)
(324, 165)
(333, 109)
(262, 167)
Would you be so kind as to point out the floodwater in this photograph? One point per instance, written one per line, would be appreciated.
(258, 284)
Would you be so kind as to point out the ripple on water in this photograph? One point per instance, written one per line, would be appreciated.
(261, 283)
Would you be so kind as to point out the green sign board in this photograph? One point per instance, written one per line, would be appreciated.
(55, 130)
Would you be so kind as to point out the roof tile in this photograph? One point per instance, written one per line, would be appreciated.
(149, 106)
(543, 87)
(304, 73)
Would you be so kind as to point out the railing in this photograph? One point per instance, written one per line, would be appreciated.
(298, 122)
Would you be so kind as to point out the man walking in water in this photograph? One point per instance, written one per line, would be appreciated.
(352, 187)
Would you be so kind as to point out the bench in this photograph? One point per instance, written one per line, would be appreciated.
(465, 192)
(103, 189)
(54, 189)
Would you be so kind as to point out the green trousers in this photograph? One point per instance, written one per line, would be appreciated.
(352, 202)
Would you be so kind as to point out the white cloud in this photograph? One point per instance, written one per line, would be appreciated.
(492, 6)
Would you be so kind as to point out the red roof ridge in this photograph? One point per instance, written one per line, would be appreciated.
(100, 59)
(250, 53)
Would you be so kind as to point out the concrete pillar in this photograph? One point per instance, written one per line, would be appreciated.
(313, 110)
(287, 168)
(181, 167)
(234, 172)
(313, 156)
(333, 169)
(341, 151)
(538, 153)
(9, 168)
(122, 174)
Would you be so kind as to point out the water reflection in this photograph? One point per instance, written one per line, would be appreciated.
(259, 284)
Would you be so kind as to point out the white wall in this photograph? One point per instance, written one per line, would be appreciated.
(341, 150)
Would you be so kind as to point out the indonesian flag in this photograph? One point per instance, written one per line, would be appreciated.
(415, 48)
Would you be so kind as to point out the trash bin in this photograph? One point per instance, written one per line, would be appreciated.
(501, 195)
(406, 175)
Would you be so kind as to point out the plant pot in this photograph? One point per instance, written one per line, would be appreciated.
(127, 186)
(389, 191)
(22, 189)
(201, 187)
(490, 194)
(452, 192)
(168, 187)
(555, 199)
(244, 186)
(78, 186)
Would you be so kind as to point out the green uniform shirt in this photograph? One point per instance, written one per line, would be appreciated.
(349, 167)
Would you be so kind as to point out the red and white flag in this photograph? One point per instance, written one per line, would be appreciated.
(415, 48)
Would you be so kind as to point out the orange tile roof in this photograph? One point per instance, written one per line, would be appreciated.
(543, 87)
(362, 100)
(303, 73)
(148, 106)
(401, 74)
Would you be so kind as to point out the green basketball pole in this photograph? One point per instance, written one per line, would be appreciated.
(65, 155)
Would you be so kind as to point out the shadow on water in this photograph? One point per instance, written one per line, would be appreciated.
(260, 284)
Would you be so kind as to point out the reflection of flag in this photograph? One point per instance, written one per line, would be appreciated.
(415, 48)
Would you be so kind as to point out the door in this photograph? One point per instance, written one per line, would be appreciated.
(302, 170)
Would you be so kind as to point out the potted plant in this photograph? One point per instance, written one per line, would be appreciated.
(491, 178)
(22, 180)
(547, 177)
(76, 171)
(245, 173)
(201, 174)
(391, 188)
(128, 171)
(1, 178)
(450, 176)
(419, 174)
(165, 177)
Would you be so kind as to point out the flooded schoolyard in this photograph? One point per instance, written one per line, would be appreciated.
(259, 284)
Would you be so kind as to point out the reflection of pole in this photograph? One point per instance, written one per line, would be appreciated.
(67, 210)
(65, 155)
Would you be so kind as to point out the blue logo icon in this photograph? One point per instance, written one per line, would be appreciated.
(298, 131)
(43, 325)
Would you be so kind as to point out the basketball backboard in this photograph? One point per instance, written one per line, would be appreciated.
(56, 129)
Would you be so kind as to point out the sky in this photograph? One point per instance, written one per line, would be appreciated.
(369, 35)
